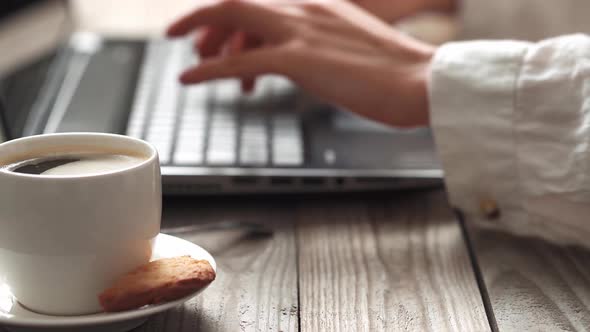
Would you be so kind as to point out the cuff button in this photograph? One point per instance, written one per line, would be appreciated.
(489, 209)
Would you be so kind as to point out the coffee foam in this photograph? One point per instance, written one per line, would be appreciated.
(95, 164)
(93, 160)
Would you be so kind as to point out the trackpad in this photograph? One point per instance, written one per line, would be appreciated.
(340, 139)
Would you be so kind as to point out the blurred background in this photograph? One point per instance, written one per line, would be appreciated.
(150, 17)
(38, 26)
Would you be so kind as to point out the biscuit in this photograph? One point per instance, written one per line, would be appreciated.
(157, 282)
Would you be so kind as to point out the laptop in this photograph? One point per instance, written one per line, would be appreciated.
(211, 138)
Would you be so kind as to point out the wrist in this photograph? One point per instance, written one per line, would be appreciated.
(412, 109)
(420, 86)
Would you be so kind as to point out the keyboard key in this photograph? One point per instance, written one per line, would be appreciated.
(253, 154)
(163, 153)
(221, 157)
(222, 139)
(190, 133)
(280, 83)
(145, 88)
(260, 98)
(193, 117)
(159, 132)
(196, 97)
(164, 157)
(287, 140)
(223, 133)
(135, 128)
(162, 145)
(253, 140)
(190, 144)
(184, 157)
(163, 118)
(286, 161)
(218, 154)
(284, 93)
(162, 122)
(227, 92)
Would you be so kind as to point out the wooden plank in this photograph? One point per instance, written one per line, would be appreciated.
(256, 287)
(378, 263)
(534, 285)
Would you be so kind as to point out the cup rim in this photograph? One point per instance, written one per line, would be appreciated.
(153, 155)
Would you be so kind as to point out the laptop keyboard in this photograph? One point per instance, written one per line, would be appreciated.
(213, 124)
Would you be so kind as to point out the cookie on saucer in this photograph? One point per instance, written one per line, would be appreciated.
(156, 282)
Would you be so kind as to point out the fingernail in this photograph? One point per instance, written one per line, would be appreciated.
(184, 78)
(170, 32)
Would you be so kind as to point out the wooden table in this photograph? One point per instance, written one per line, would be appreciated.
(373, 262)
(391, 261)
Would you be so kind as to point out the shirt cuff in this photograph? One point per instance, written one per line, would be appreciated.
(472, 97)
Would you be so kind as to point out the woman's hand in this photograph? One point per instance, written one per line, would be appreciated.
(334, 50)
(388, 10)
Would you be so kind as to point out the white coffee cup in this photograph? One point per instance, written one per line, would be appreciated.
(64, 239)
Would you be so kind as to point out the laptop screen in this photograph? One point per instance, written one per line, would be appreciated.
(30, 33)
(8, 7)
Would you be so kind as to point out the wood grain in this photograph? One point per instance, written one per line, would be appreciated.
(256, 287)
(378, 262)
(534, 285)
(385, 264)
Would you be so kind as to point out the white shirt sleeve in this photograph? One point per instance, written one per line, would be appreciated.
(511, 121)
(522, 19)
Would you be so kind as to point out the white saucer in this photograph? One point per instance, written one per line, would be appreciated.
(15, 317)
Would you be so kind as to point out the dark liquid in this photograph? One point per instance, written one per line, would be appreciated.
(38, 166)
(81, 164)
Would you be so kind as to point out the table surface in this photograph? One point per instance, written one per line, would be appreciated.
(390, 261)
(372, 262)
(358, 262)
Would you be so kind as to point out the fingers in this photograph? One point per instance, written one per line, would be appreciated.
(247, 15)
(236, 43)
(240, 41)
(250, 42)
(248, 84)
(212, 41)
(245, 65)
